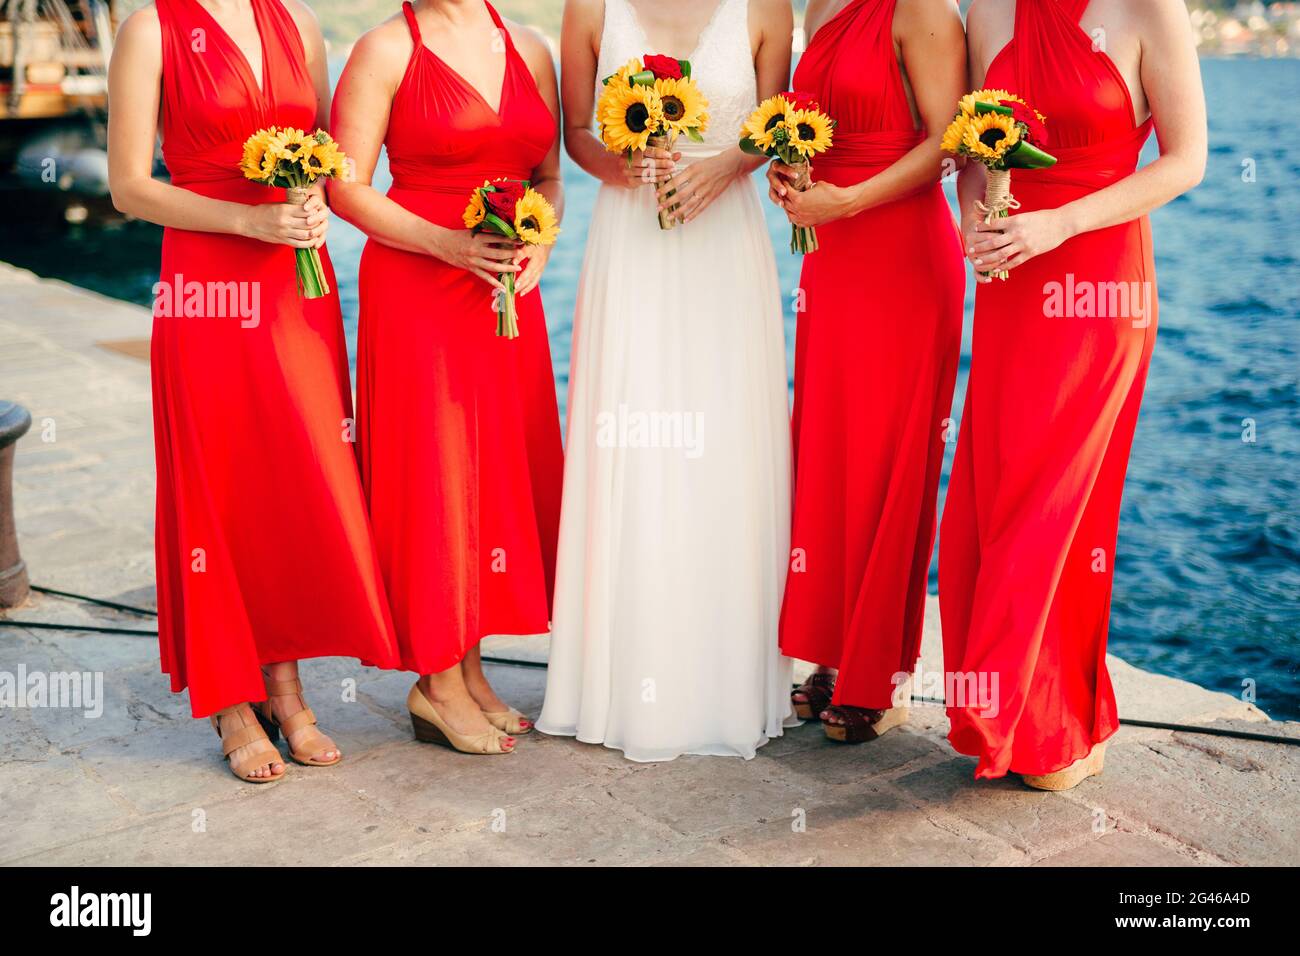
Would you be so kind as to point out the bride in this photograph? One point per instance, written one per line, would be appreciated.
(674, 529)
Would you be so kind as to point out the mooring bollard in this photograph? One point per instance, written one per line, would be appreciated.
(14, 586)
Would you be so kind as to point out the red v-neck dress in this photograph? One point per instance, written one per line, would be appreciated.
(875, 366)
(263, 546)
(1027, 544)
(459, 433)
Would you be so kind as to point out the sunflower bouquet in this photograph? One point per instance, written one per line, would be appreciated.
(649, 102)
(1003, 132)
(790, 127)
(293, 160)
(513, 209)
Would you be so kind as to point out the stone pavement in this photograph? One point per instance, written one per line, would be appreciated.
(143, 783)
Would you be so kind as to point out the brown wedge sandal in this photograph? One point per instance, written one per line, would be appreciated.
(248, 734)
(817, 691)
(430, 728)
(861, 724)
(294, 723)
(509, 721)
(1089, 765)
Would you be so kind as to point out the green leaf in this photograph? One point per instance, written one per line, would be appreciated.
(1028, 156)
(644, 78)
(686, 68)
(500, 225)
(981, 107)
(694, 135)
(747, 145)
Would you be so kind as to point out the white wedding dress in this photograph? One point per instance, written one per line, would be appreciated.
(674, 531)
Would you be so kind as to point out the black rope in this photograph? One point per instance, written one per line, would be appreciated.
(515, 662)
(144, 611)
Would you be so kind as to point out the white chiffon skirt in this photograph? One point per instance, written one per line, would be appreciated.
(674, 531)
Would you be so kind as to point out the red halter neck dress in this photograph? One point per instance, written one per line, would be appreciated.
(1060, 356)
(263, 547)
(459, 432)
(875, 364)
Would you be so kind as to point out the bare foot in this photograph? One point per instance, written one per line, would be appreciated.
(800, 696)
(307, 739)
(477, 683)
(232, 720)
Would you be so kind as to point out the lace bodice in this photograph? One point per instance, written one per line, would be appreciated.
(722, 65)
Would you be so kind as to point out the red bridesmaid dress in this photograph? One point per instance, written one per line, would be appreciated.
(1027, 547)
(263, 546)
(875, 365)
(459, 432)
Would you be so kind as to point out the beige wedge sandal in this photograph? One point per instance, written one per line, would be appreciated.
(509, 721)
(295, 722)
(248, 734)
(1086, 766)
(430, 728)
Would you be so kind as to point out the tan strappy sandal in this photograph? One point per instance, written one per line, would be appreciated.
(509, 721)
(247, 734)
(1089, 765)
(294, 723)
(430, 728)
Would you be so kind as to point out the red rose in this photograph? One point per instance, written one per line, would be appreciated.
(663, 67)
(501, 201)
(1025, 114)
(801, 101)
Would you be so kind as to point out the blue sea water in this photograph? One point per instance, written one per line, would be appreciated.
(1207, 574)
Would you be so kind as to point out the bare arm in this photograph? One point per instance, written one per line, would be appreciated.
(363, 103)
(933, 50)
(317, 64)
(579, 53)
(1171, 79)
(546, 177)
(134, 90)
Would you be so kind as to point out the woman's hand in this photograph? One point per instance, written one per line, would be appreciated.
(282, 223)
(1004, 244)
(649, 166)
(820, 203)
(485, 255)
(696, 186)
(537, 257)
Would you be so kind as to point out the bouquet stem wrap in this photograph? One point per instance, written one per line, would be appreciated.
(667, 218)
(803, 239)
(507, 317)
(998, 203)
(311, 274)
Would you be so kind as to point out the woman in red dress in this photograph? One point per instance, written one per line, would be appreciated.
(264, 554)
(1060, 356)
(459, 431)
(876, 352)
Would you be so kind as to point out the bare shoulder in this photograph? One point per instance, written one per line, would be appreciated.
(141, 26)
(1156, 15)
(303, 16)
(384, 42)
(585, 11)
(774, 11)
(927, 15)
(531, 43)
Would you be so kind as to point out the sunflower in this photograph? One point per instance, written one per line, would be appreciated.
(628, 116)
(476, 211)
(535, 220)
(621, 75)
(990, 136)
(967, 103)
(955, 134)
(684, 105)
(291, 144)
(810, 131)
(771, 113)
(258, 163)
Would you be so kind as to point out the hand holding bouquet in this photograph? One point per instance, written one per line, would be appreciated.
(790, 127)
(1003, 132)
(513, 209)
(293, 160)
(650, 102)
